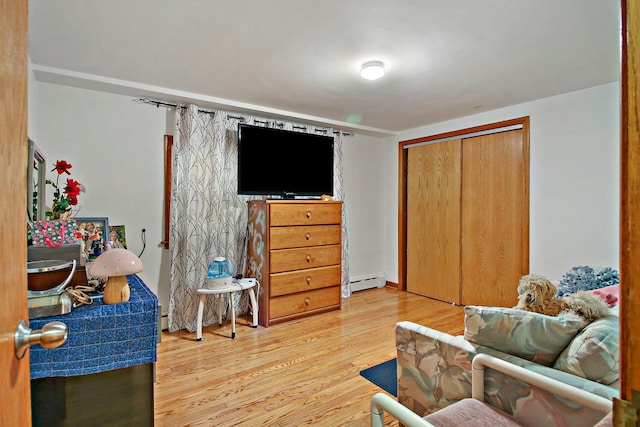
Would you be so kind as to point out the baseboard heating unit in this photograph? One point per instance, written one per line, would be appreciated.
(359, 283)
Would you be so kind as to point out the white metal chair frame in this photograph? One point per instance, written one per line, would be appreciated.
(228, 290)
(382, 402)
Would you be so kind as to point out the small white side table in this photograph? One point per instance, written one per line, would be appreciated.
(234, 286)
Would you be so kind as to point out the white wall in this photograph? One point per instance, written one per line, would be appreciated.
(363, 175)
(116, 148)
(574, 179)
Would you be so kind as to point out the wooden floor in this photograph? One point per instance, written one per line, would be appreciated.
(304, 372)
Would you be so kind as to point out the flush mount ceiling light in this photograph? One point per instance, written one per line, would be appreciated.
(372, 70)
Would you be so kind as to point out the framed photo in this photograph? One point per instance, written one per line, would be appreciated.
(117, 237)
(95, 236)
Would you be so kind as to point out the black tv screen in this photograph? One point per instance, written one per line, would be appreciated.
(280, 163)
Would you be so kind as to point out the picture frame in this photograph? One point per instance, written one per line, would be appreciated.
(95, 235)
(117, 237)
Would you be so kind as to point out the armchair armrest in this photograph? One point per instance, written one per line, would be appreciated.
(382, 402)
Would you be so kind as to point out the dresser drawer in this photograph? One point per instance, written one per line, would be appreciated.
(302, 258)
(304, 235)
(305, 213)
(304, 280)
(304, 301)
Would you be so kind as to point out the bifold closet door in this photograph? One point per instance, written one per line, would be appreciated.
(433, 220)
(494, 225)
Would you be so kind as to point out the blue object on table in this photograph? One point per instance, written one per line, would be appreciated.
(220, 268)
(101, 337)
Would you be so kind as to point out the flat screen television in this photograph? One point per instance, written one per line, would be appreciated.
(285, 164)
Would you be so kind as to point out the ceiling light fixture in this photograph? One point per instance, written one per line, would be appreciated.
(372, 70)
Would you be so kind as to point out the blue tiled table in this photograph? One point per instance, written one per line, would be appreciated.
(102, 337)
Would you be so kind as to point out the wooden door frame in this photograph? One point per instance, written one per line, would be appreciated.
(625, 408)
(402, 185)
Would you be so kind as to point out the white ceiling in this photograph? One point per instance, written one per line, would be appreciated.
(299, 59)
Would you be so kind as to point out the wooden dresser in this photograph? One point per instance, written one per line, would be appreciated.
(295, 252)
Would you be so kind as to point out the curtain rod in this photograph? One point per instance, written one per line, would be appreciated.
(202, 110)
(169, 104)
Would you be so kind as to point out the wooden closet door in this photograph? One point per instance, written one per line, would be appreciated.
(433, 220)
(494, 226)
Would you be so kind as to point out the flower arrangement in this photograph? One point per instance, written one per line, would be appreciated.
(68, 197)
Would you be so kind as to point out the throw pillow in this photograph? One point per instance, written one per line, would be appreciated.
(610, 294)
(594, 352)
(531, 336)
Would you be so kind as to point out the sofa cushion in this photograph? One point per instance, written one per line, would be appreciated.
(531, 336)
(594, 352)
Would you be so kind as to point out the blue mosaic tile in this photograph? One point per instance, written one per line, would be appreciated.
(122, 321)
(90, 352)
(69, 366)
(75, 325)
(110, 310)
(93, 323)
(148, 342)
(124, 358)
(120, 348)
(136, 333)
(109, 322)
(138, 308)
(92, 337)
(137, 318)
(75, 339)
(110, 335)
(123, 308)
(77, 353)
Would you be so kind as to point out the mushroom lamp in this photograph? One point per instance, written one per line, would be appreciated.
(116, 264)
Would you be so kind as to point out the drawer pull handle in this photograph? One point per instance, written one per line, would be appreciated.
(307, 236)
(307, 301)
(308, 280)
(308, 257)
(308, 214)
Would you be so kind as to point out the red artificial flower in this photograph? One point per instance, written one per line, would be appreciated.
(73, 188)
(73, 199)
(63, 197)
(62, 167)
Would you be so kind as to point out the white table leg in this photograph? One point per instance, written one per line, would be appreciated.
(233, 315)
(254, 307)
(199, 321)
(219, 309)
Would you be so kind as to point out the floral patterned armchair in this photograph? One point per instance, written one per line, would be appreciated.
(434, 371)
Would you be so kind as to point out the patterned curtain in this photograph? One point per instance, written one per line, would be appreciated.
(338, 194)
(209, 218)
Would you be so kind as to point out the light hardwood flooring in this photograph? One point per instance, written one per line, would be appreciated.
(303, 372)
